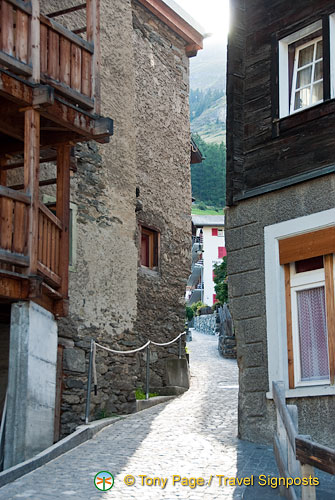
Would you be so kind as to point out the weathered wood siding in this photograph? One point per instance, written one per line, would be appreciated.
(260, 150)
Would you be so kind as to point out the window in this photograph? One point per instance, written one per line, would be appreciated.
(300, 304)
(220, 233)
(222, 252)
(310, 300)
(301, 82)
(149, 248)
(307, 87)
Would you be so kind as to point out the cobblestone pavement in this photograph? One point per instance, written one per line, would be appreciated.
(193, 435)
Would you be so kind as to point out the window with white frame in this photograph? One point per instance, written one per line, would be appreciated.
(307, 85)
(310, 307)
(300, 304)
(309, 322)
(301, 70)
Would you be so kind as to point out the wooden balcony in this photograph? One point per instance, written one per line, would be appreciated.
(40, 49)
(49, 100)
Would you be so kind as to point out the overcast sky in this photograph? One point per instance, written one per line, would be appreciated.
(213, 15)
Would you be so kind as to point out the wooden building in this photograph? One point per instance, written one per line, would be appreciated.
(280, 225)
(49, 101)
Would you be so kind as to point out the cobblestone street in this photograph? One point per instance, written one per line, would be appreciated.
(192, 436)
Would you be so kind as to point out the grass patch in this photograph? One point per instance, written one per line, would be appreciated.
(139, 394)
(208, 211)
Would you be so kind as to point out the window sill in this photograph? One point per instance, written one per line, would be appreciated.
(305, 392)
(300, 118)
(154, 273)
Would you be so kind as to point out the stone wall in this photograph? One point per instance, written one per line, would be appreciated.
(205, 324)
(163, 178)
(112, 299)
(245, 244)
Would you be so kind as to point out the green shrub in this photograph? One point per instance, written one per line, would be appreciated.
(139, 394)
(189, 313)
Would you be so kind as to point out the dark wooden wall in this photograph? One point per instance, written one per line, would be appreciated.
(263, 153)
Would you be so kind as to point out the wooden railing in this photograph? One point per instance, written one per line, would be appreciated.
(13, 227)
(64, 60)
(15, 18)
(297, 455)
(14, 256)
(49, 233)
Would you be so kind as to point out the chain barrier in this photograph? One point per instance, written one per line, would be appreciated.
(92, 366)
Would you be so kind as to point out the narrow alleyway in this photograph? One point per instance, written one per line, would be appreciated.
(191, 436)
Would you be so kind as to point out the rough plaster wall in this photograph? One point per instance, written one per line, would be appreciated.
(245, 243)
(102, 289)
(163, 176)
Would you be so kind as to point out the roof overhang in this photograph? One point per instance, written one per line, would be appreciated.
(178, 20)
(196, 155)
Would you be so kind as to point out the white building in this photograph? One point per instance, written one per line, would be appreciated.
(208, 249)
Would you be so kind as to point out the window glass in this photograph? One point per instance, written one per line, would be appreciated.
(305, 265)
(308, 75)
(313, 341)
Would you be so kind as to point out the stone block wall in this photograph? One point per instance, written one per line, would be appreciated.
(246, 284)
(205, 324)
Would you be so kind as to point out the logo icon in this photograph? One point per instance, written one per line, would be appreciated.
(104, 480)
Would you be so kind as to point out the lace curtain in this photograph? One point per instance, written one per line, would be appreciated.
(313, 336)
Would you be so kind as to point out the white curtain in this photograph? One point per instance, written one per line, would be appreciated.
(313, 336)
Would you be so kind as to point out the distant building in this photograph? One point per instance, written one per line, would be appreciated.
(208, 248)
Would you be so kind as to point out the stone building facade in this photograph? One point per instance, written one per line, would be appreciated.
(140, 180)
(280, 221)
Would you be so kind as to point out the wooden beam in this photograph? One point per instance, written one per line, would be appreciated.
(172, 19)
(35, 40)
(63, 213)
(306, 246)
(14, 195)
(65, 90)
(93, 35)
(22, 5)
(15, 65)
(31, 179)
(330, 308)
(47, 182)
(289, 336)
(78, 31)
(309, 452)
(67, 11)
(13, 288)
(14, 258)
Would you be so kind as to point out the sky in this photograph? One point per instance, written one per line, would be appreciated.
(213, 15)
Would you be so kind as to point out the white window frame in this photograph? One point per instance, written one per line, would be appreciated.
(313, 42)
(275, 300)
(283, 77)
(303, 281)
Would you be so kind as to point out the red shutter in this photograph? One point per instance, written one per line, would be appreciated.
(222, 252)
(214, 232)
(214, 298)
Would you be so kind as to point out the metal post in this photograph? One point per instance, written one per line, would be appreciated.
(202, 283)
(180, 347)
(89, 382)
(147, 382)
